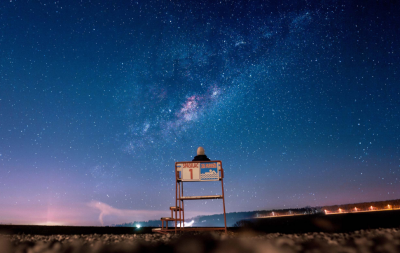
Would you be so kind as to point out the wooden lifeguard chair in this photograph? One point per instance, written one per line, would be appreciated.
(194, 171)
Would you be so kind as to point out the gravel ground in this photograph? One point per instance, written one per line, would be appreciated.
(376, 240)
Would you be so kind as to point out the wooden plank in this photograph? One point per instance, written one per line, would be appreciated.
(186, 229)
(175, 208)
(201, 197)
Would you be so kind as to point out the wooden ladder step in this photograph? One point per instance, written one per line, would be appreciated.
(167, 218)
(201, 197)
(175, 208)
(170, 219)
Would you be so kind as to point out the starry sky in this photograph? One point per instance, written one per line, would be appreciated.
(98, 99)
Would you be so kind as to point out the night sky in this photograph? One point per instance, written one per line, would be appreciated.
(299, 100)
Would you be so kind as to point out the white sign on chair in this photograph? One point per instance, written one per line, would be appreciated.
(199, 171)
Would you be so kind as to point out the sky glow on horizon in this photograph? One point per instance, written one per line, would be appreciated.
(98, 100)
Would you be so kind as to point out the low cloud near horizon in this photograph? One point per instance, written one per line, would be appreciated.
(126, 214)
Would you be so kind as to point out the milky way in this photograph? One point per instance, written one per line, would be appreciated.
(98, 99)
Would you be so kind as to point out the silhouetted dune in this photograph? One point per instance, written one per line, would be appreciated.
(345, 222)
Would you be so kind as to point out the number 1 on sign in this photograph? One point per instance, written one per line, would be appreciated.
(191, 173)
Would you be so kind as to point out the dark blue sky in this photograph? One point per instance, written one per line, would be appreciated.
(98, 99)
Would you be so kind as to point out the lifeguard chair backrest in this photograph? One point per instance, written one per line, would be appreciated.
(199, 171)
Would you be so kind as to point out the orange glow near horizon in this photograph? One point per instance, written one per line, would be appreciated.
(49, 223)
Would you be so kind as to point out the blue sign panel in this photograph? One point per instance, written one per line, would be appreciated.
(209, 171)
